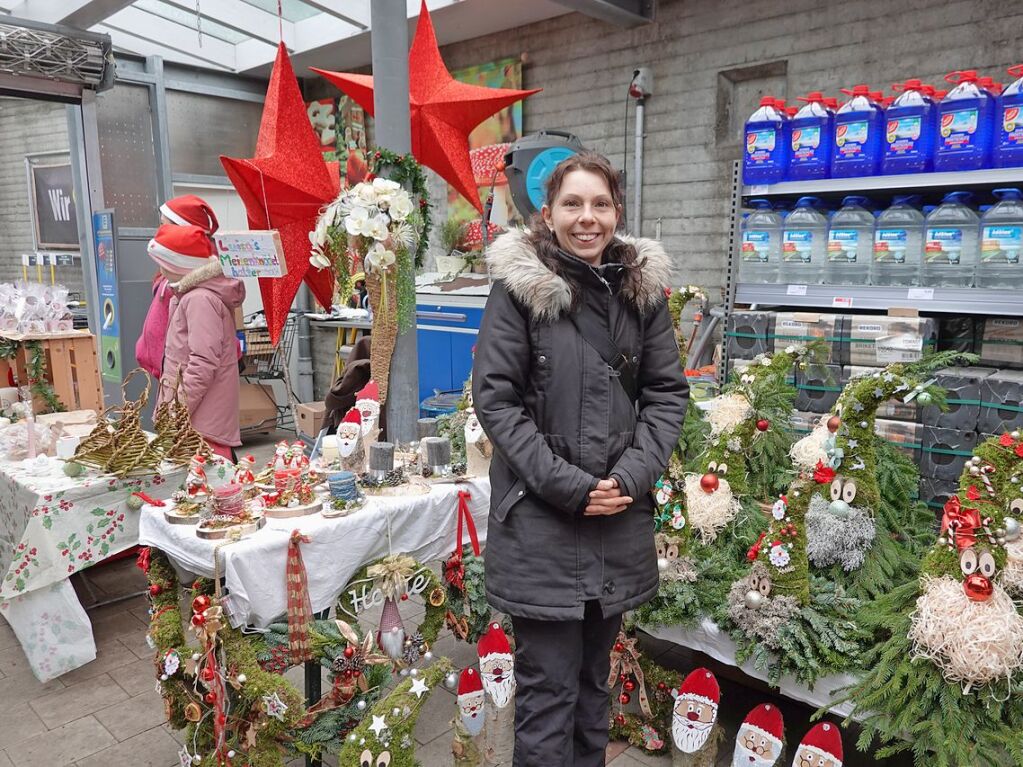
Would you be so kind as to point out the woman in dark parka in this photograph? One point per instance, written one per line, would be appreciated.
(570, 542)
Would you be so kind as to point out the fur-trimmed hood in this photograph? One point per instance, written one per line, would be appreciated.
(547, 295)
(211, 276)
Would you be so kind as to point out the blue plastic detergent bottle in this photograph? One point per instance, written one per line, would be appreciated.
(766, 157)
(909, 131)
(1009, 123)
(858, 126)
(812, 132)
(965, 123)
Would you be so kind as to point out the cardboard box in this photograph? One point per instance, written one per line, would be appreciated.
(309, 418)
(257, 407)
(905, 436)
(962, 387)
(818, 387)
(1001, 402)
(1002, 342)
(748, 334)
(792, 328)
(945, 452)
(878, 340)
(894, 409)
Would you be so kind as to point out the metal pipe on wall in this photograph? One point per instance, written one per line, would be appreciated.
(637, 171)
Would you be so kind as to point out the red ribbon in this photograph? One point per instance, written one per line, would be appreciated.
(300, 610)
(463, 512)
(142, 563)
(147, 499)
(963, 523)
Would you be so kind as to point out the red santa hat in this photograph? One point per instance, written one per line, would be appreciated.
(369, 391)
(494, 642)
(701, 686)
(249, 458)
(469, 682)
(823, 740)
(189, 210)
(180, 249)
(353, 416)
(766, 720)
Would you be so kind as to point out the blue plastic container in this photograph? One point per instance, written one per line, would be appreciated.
(1008, 151)
(909, 131)
(859, 123)
(766, 157)
(812, 131)
(965, 120)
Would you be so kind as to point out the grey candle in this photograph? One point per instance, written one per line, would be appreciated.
(426, 427)
(437, 451)
(381, 458)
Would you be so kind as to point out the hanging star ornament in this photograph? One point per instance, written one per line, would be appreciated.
(443, 111)
(283, 187)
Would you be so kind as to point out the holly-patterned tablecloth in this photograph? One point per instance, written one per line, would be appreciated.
(50, 527)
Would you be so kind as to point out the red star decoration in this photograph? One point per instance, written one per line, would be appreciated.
(283, 187)
(443, 110)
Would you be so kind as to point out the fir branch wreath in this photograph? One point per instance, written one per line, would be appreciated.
(467, 602)
(652, 734)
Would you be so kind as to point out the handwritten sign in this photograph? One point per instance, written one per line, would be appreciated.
(254, 253)
(365, 596)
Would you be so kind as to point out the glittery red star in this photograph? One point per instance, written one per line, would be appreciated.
(283, 187)
(443, 110)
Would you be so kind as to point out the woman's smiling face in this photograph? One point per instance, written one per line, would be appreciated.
(583, 216)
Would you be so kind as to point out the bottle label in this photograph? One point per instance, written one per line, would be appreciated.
(756, 245)
(842, 245)
(1001, 244)
(1012, 127)
(805, 142)
(851, 137)
(959, 128)
(797, 245)
(890, 246)
(902, 134)
(944, 246)
(760, 145)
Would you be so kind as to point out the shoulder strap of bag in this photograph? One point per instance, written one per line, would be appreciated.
(595, 335)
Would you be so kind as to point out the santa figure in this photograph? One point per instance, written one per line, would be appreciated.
(821, 747)
(470, 701)
(696, 710)
(478, 448)
(280, 460)
(497, 665)
(367, 401)
(195, 482)
(760, 738)
(243, 472)
(299, 460)
(350, 447)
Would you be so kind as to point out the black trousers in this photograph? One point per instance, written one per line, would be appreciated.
(561, 696)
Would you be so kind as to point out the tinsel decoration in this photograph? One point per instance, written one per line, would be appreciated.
(300, 611)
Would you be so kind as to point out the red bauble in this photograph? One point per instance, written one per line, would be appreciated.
(619, 647)
(208, 674)
(200, 603)
(662, 686)
(629, 685)
(349, 652)
(198, 620)
(763, 424)
(833, 423)
(624, 698)
(620, 720)
(210, 697)
(978, 588)
(404, 597)
(709, 482)
(155, 589)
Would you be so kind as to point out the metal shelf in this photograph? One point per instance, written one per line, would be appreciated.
(910, 182)
(853, 297)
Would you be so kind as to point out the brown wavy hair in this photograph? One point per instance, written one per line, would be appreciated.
(545, 244)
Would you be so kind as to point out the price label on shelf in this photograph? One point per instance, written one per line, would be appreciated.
(797, 290)
(920, 294)
(842, 302)
(758, 189)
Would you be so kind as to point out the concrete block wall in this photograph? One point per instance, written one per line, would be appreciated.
(710, 61)
(26, 127)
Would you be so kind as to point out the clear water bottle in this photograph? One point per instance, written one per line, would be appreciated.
(1001, 240)
(898, 243)
(761, 244)
(804, 243)
(950, 246)
(850, 243)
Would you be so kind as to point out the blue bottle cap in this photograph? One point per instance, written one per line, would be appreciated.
(760, 204)
(808, 202)
(855, 199)
(912, 200)
(963, 198)
(1008, 193)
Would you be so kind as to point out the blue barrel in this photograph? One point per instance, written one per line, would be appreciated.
(441, 403)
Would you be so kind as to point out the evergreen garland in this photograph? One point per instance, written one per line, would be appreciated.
(469, 604)
(35, 368)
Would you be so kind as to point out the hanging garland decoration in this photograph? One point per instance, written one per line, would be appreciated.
(468, 613)
(632, 673)
(35, 369)
(397, 577)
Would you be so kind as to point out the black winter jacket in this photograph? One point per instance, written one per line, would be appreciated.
(559, 422)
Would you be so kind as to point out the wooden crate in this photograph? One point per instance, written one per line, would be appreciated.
(72, 369)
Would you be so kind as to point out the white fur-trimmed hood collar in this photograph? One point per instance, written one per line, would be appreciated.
(547, 295)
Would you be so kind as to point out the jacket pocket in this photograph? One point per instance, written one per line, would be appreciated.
(515, 494)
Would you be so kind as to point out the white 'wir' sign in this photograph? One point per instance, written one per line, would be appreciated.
(365, 596)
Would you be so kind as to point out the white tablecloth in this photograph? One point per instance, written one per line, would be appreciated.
(50, 527)
(421, 526)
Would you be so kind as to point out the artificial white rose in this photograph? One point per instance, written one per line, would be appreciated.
(401, 206)
(365, 195)
(384, 187)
